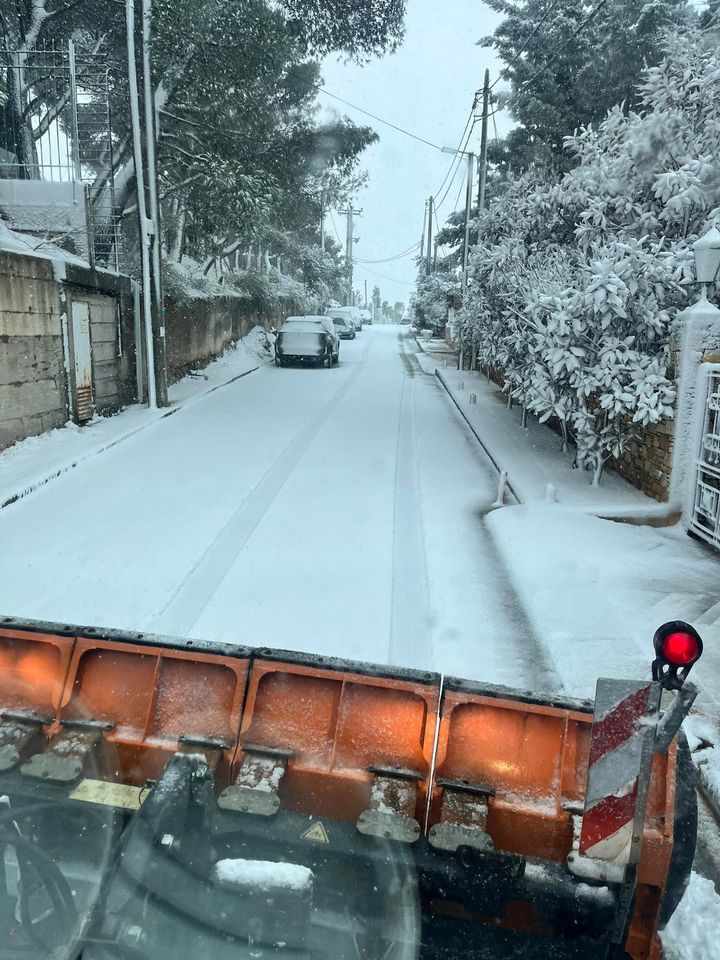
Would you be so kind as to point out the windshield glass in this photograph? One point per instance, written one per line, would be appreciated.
(360, 479)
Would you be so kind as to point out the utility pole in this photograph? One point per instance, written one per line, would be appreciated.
(428, 260)
(422, 238)
(366, 299)
(349, 239)
(152, 183)
(322, 219)
(143, 222)
(482, 163)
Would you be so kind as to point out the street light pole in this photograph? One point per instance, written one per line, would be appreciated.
(466, 245)
(468, 209)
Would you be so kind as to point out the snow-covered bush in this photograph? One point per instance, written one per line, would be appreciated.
(574, 284)
(433, 299)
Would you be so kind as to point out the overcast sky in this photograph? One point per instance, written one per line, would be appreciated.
(427, 87)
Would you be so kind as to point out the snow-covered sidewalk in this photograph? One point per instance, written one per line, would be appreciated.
(533, 457)
(33, 462)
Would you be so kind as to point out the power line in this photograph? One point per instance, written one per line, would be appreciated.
(382, 276)
(526, 42)
(332, 221)
(457, 198)
(397, 256)
(452, 181)
(455, 159)
(527, 83)
(367, 113)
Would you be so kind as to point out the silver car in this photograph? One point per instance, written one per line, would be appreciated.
(310, 339)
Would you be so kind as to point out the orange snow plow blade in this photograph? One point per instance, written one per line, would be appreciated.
(480, 787)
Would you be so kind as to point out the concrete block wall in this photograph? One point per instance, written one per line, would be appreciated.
(33, 391)
(200, 331)
(647, 462)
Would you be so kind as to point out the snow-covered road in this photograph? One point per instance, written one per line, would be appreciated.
(337, 511)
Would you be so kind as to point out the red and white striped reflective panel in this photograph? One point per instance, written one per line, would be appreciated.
(625, 714)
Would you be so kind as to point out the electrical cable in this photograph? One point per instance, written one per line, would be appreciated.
(332, 221)
(538, 73)
(455, 159)
(367, 113)
(525, 43)
(450, 184)
(383, 277)
(457, 198)
(396, 256)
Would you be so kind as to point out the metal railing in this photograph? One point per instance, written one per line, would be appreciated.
(55, 128)
(705, 519)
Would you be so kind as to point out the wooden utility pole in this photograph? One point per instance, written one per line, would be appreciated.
(482, 163)
(428, 254)
(349, 240)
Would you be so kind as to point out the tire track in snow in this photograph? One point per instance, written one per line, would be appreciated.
(518, 645)
(410, 640)
(186, 603)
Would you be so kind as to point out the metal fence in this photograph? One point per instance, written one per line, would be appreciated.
(705, 519)
(55, 128)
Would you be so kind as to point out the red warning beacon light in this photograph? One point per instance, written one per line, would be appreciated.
(678, 647)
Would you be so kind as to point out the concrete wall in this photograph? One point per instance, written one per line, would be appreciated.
(35, 299)
(200, 331)
(33, 384)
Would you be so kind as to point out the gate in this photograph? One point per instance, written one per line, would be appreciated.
(705, 518)
(82, 361)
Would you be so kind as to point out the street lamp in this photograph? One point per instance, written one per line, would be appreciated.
(466, 246)
(707, 258)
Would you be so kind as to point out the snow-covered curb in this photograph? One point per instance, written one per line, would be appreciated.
(38, 461)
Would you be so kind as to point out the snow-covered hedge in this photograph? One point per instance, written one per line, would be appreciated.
(433, 298)
(186, 281)
(574, 285)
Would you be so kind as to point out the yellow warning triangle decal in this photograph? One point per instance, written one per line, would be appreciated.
(317, 833)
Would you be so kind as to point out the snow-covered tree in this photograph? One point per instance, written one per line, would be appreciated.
(575, 282)
(433, 298)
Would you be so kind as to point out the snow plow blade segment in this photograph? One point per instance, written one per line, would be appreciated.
(387, 813)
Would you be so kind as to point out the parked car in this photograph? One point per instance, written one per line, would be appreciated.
(351, 313)
(344, 327)
(310, 339)
(366, 316)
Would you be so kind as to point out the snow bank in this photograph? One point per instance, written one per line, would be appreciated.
(692, 933)
(596, 591)
(246, 355)
(261, 875)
